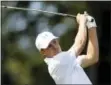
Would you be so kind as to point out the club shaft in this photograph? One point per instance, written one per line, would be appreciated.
(27, 9)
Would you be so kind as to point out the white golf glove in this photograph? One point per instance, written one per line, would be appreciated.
(90, 22)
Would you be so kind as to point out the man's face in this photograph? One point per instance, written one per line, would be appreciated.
(52, 49)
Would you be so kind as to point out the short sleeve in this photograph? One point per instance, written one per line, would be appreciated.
(72, 51)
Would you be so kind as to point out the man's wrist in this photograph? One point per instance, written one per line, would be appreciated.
(82, 24)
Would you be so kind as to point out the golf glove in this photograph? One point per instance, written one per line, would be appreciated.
(90, 22)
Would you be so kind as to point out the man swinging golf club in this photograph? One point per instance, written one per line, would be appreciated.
(65, 67)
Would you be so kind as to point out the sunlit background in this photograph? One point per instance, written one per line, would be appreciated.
(21, 62)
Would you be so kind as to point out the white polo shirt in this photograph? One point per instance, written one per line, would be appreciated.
(64, 69)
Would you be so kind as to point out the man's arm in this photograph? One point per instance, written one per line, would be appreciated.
(81, 36)
(92, 55)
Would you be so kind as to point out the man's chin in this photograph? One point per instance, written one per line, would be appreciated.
(57, 52)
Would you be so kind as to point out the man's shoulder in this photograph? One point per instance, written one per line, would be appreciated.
(60, 57)
(56, 57)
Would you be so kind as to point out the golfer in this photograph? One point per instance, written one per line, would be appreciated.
(66, 67)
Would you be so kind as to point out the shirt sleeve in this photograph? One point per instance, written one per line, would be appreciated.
(73, 54)
(72, 51)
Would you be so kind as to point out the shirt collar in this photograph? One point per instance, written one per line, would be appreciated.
(47, 60)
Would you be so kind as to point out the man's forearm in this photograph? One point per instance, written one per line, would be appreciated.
(92, 55)
(93, 48)
(80, 39)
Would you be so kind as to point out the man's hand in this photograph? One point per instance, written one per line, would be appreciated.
(81, 18)
(91, 23)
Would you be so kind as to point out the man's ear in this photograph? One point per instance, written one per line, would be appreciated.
(42, 51)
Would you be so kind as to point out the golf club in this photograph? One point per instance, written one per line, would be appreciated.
(27, 9)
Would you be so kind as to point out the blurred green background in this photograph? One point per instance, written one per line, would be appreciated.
(21, 62)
